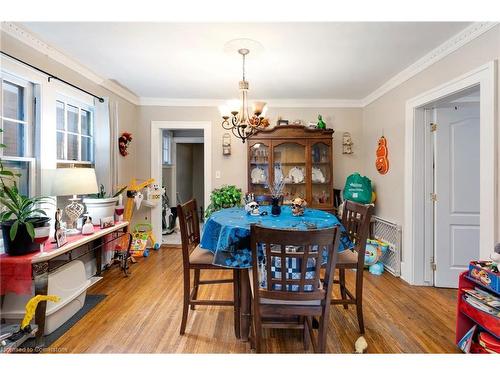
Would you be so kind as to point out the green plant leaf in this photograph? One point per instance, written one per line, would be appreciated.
(31, 230)
(13, 230)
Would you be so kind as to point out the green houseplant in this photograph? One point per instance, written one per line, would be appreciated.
(224, 197)
(19, 215)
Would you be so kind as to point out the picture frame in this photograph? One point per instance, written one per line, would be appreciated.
(281, 122)
(60, 237)
(107, 222)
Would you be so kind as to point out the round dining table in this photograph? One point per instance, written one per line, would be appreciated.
(226, 233)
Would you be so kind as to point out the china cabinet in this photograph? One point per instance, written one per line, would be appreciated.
(299, 155)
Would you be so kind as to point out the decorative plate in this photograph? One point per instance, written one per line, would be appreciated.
(258, 176)
(296, 175)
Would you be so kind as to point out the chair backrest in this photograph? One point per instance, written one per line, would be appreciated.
(190, 227)
(356, 221)
(266, 200)
(289, 263)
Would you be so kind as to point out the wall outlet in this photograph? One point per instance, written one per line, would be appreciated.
(217, 174)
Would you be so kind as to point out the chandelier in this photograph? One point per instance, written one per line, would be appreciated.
(235, 114)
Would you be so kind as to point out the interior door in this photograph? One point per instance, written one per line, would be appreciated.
(457, 183)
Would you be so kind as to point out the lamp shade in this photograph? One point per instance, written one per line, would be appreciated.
(69, 181)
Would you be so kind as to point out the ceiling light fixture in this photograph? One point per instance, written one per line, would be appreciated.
(235, 114)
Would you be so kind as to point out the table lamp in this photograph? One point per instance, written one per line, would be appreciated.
(71, 181)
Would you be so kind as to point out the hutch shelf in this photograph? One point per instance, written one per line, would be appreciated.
(300, 155)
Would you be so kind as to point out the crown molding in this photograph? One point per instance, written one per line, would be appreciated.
(462, 38)
(457, 41)
(32, 41)
(277, 103)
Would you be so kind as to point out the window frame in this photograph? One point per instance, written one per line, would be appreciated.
(68, 101)
(29, 109)
(166, 141)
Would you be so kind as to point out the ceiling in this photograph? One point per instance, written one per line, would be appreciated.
(335, 60)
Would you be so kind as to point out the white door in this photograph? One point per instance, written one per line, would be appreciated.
(457, 180)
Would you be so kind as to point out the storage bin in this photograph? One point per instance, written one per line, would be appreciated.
(69, 282)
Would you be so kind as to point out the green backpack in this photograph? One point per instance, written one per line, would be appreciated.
(358, 189)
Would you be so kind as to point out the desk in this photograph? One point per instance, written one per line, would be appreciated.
(40, 262)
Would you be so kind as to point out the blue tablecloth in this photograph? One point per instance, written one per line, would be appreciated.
(227, 232)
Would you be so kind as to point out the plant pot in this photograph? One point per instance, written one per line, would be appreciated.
(275, 208)
(99, 208)
(22, 244)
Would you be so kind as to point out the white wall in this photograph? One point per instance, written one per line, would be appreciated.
(386, 116)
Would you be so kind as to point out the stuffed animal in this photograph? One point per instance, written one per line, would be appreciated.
(298, 206)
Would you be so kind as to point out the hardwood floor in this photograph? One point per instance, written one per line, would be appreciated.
(142, 314)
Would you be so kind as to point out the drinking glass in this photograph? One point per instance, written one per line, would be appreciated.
(42, 235)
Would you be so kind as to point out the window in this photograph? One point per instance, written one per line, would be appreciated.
(166, 147)
(75, 132)
(17, 123)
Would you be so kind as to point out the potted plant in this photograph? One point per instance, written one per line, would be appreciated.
(101, 205)
(224, 197)
(19, 216)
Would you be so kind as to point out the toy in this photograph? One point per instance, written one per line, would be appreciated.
(321, 124)
(252, 208)
(142, 233)
(298, 206)
(382, 163)
(360, 345)
(373, 251)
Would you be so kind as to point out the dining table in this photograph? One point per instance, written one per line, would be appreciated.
(226, 233)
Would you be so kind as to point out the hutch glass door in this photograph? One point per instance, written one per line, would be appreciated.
(259, 168)
(321, 174)
(290, 164)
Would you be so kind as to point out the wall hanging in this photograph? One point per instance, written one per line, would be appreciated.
(382, 162)
(123, 143)
(226, 144)
(347, 143)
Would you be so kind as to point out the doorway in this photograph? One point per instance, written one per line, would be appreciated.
(197, 134)
(182, 177)
(452, 163)
(418, 232)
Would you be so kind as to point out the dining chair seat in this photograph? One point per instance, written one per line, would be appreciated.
(201, 256)
(269, 301)
(347, 258)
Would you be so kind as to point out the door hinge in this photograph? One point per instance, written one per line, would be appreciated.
(433, 264)
(434, 127)
(434, 197)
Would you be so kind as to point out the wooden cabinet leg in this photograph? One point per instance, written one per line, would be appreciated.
(41, 276)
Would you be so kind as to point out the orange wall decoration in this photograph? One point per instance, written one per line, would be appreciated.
(382, 162)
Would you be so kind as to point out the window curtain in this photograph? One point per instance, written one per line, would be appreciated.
(106, 144)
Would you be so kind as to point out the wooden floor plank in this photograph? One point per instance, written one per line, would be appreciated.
(142, 314)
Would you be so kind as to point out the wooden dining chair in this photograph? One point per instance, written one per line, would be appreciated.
(196, 259)
(286, 287)
(356, 221)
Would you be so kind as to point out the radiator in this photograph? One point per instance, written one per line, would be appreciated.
(390, 233)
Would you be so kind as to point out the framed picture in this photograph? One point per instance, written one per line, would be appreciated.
(107, 222)
(60, 236)
(282, 122)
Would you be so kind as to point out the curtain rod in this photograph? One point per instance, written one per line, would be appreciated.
(51, 76)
